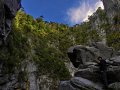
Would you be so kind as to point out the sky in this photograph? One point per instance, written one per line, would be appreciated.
(69, 12)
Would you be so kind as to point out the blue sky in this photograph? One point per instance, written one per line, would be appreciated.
(69, 12)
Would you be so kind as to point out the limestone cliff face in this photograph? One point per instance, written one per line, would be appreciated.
(107, 23)
(112, 7)
(97, 21)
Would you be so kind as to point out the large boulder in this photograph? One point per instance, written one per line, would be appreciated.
(89, 78)
(115, 86)
(116, 60)
(88, 74)
(82, 54)
(65, 85)
(78, 83)
(92, 73)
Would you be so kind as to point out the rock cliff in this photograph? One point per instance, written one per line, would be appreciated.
(87, 77)
(107, 23)
(97, 22)
(8, 10)
(25, 77)
(112, 8)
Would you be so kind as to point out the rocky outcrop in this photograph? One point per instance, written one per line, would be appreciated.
(115, 86)
(23, 75)
(88, 77)
(79, 83)
(112, 8)
(97, 22)
(107, 23)
(10, 81)
(31, 71)
(18, 78)
(83, 54)
(8, 10)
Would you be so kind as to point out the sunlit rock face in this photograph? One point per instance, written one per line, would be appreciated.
(106, 22)
(97, 20)
(112, 7)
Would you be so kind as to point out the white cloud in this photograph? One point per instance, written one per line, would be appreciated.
(80, 13)
(99, 4)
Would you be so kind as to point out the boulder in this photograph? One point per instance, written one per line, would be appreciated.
(94, 75)
(116, 60)
(65, 85)
(82, 54)
(88, 76)
(78, 83)
(114, 86)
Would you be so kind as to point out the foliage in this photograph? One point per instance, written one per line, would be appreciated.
(113, 40)
(94, 36)
(40, 41)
